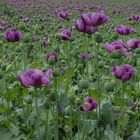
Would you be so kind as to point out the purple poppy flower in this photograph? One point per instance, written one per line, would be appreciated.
(134, 18)
(35, 78)
(124, 30)
(44, 42)
(34, 38)
(133, 43)
(85, 56)
(13, 36)
(65, 34)
(116, 45)
(51, 55)
(94, 19)
(89, 104)
(63, 15)
(26, 20)
(124, 72)
(82, 27)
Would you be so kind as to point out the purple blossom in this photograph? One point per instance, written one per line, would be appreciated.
(13, 36)
(134, 18)
(82, 27)
(133, 43)
(124, 30)
(51, 55)
(65, 34)
(94, 19)
(63, 15)
(124, 72)
(116, 45)
(89, 104)
(44, 42)
(85, 56)
(35, 78)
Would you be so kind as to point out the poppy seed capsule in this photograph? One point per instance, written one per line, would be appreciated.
(84, 84)
(21, 26)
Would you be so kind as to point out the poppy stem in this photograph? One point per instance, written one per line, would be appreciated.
(56, 119)
(37, 114)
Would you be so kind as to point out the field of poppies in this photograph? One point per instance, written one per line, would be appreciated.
(69, 70)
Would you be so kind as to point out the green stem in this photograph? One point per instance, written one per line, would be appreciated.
(56, 119)
(46, 128)
(86, 46)
(37, 114)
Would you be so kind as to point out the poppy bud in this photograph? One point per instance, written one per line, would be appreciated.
(84, 84)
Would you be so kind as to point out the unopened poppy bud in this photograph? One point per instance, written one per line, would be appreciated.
(84, 84)
(21, 26)
(115, 36)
